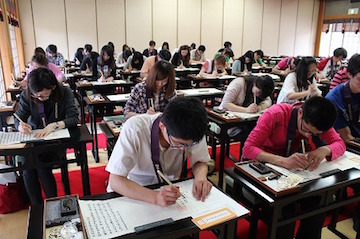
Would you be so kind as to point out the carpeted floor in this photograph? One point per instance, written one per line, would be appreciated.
(14, 225)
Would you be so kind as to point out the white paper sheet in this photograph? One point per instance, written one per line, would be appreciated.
(102, 83)
(17, 137)
(201, 91)
(346, 161)
(7, 177)
(273, 76)
(119, 97)
(118, 216)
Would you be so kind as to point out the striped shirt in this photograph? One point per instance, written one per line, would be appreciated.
(340, 77)
(138, 101)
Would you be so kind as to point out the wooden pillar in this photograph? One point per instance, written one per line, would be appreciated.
(319, 27)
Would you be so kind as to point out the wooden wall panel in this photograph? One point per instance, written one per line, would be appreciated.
(211, 26)
(287, 27)
(138, 23)
(253, 14)
(271, 28)
(233, 24)
(111, 23)
(81, 29)
(165, 22)
(50, 24)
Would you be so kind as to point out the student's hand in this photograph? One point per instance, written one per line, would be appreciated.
(77, 62)
(296, 160)
(312, 89)
(167, 196)
(45, 131)
(201, 188)
(253, 108)
(181, 66)
(316, 156)
(87, 70)
(102, 79)
(151, 111)
(24, 128)
(286, 71)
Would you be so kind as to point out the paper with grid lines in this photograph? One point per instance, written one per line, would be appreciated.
(118, 216)
(7, 138)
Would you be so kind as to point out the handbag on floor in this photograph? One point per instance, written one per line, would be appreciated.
(13, 196)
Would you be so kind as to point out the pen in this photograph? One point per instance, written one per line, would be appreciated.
(152, 103)
(167, 180)
(16, 116)
(254, 98)
(303, 146)
(308, 82)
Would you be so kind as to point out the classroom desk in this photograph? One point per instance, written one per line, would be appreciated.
(224, 137)
(127, 75)
(213, 79)
(79, 136)
(100, 109)
(203, 94)
(261, 69)
(72, 78)
(5, 112)
(179, 228)
(14, 91)
(186, 71)
(110, 138)
(323, 187)
(80, 93)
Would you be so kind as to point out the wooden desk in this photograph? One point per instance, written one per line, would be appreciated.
(14, 91)
(179, 228)
(79, 136)
(213, 79)
(202, 94)
(223, 136)
(124, 86)
(100, 109)
(323, 187)
(6, 111)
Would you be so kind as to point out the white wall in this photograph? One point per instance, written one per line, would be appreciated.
(278, 27)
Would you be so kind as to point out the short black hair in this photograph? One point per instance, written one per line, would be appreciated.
(354, 65)
(52, 49)
(165, 55)
(193, 45)
(152, 43)
(260, 53)
(266, 84)
(186, 118)
(340, 52)
(229, 52)
(88, 47)
(112, 45)
(39, 50)
(202, 48)
(319, 112)
(43, 78)
(227, 44)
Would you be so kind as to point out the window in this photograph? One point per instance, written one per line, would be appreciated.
(339, 34)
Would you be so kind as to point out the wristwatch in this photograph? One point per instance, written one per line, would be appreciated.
(57, 125)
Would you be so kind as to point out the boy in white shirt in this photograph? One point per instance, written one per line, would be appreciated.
(151, 142)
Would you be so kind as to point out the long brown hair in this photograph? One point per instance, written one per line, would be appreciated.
(160, 71)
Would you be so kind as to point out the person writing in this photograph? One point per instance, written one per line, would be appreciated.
(45, 105)
(155, 93)
(276, 139)
(151, 142)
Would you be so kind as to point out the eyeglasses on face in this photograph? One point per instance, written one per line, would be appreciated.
(306, 130)
(180, 145)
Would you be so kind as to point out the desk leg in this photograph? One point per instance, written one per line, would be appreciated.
(273, 225)
(95, 137)
(222, 158)
(84, 170)
(231, 230)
